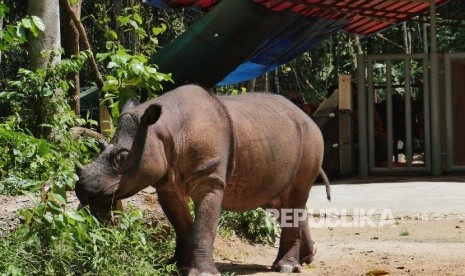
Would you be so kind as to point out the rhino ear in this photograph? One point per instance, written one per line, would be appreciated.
(151, 114)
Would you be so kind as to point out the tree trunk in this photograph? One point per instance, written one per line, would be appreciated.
(424, 32)
(1, 28)
(294, 66)
(267, 82)
(358, 45)
(276, 81)
(42, 54)
(406, 38)
(334, 58)
(251, 85)
(71, 45)
(358, 49)
(49, 40)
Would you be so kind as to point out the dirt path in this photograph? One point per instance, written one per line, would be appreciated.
(410, 248)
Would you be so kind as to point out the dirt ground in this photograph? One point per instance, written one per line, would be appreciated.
(409, 246)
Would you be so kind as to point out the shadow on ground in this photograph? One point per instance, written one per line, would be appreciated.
(241, 269)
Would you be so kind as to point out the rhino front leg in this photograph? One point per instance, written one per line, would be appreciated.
(176, 210)
(207, 199)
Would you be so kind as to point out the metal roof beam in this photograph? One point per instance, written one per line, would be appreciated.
(351, 12)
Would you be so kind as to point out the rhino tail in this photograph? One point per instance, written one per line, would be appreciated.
(326, 181)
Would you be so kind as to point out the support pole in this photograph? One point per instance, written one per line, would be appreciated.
(345, 125)
(435, 108)
(362, 119)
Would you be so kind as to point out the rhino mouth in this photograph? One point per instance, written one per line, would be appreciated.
(98, 202)
(102, 197)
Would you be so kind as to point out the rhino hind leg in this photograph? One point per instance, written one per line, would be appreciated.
(288, 260)
(290, 244)
(307, 246)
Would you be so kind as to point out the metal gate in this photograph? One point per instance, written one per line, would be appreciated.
(393, 106)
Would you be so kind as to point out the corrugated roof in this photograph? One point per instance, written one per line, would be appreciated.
(365, 16)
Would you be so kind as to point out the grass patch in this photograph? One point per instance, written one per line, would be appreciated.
(404, 233)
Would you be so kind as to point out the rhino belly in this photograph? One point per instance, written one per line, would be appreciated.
(266, 160)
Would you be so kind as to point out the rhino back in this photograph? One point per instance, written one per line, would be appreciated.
(273, 141)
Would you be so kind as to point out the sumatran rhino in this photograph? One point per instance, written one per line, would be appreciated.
(225, 152)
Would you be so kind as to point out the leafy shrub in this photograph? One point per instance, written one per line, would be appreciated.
(37, 97)
(75, 243)
(256, 226)
(29, 164)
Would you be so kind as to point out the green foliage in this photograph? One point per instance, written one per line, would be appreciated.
(128, 71)
(231, 90)
(38, 156)
(3, 9)
(129, 74)
(37, 98)
(13, 36)
(24, 162)
(256, 226)
(28, 163)
(16, 33)
(75, 243)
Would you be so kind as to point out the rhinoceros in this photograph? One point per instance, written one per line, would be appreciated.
(235, 153)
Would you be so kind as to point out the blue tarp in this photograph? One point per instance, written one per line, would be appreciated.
(283, 46)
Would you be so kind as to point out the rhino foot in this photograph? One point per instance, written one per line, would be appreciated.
(287, 268)
(309, 258)
(197, 272)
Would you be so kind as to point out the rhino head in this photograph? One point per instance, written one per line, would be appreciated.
(133, 160)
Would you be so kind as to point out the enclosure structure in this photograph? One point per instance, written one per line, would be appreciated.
(421, 106)
(421, 110)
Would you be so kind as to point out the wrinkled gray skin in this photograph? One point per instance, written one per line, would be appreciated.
(232, 152)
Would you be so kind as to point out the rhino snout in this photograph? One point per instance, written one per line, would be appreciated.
(85, 188)
(82, 193)
(95, 186)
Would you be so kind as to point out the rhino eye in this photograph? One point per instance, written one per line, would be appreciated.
(120, 160)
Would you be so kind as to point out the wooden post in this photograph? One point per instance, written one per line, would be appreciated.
(345, 125)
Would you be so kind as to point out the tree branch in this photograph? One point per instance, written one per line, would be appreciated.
(85, 43)
(105, 116)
